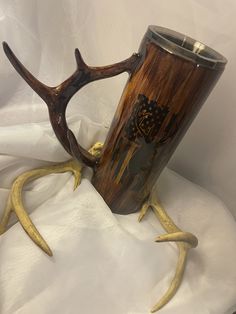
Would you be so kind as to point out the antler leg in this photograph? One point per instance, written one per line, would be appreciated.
(185, 241)
(15, 204)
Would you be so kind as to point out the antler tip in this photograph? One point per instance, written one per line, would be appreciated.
(77, 54)
(79, 60)
(42, 245)
(48, 251)
(156, 308)
(5, 46)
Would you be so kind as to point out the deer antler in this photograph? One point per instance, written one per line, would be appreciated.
(184, 240)
(15, 202)
(57, 98)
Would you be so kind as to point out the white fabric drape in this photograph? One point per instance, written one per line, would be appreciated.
(104, 263)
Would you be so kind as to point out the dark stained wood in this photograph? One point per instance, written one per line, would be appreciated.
(158, 104)
(161, 98)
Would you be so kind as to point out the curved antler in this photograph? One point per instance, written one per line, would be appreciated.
(57, 98)
(15, 201)
(184, 240)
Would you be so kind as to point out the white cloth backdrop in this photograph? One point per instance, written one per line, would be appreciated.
(106, 263)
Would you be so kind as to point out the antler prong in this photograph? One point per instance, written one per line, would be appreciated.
(180, 236)
(15, 204)
(79, 60)
(185, 241)
(176, 281)
(41, 89)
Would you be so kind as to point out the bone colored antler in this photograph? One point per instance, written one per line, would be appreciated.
(15, 204)
(185, 241)
(57, 98)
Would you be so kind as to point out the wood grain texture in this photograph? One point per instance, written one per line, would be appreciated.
(159, 102)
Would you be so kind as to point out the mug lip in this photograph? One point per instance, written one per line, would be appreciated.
(174, 42)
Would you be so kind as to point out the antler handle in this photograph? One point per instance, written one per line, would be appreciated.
(57, 98)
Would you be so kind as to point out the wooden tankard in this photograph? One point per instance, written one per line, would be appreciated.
(170, 78)
(161, 98)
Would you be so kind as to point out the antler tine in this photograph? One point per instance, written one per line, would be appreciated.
(41, 89)
(85, 74)
(79, 60)
(15, 201)
(184, 240)
(48, 94)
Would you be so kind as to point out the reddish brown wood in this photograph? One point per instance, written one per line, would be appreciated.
(139, 144)
(164, 93)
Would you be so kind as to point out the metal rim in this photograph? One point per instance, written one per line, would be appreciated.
(185, 47)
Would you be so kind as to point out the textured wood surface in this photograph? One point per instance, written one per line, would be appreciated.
(158, 104)
(161, 98)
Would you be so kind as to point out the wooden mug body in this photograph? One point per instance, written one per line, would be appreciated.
(159, 102)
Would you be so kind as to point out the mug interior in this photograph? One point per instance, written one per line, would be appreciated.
(186, 47)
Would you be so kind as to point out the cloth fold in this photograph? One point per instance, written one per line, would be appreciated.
(106, 263)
